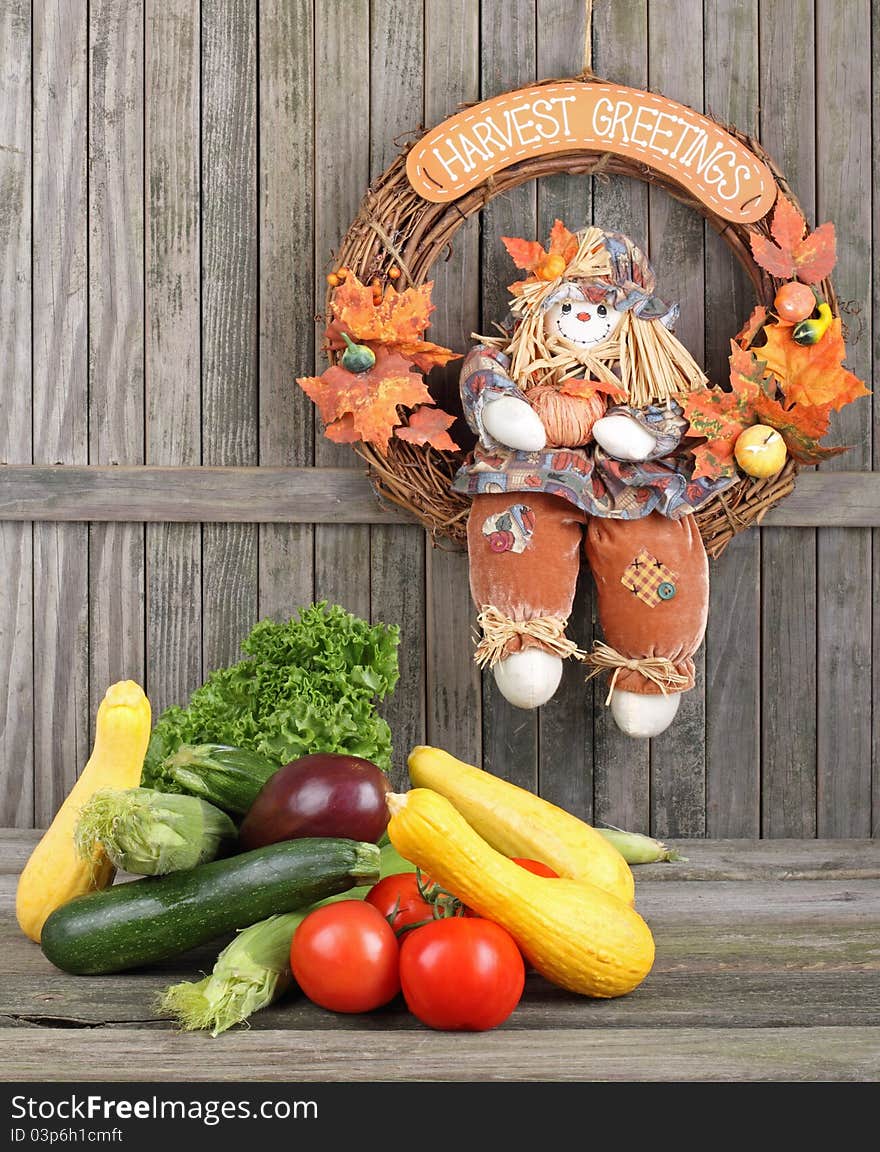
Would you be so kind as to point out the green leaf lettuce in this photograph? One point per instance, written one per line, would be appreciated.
(308, 685)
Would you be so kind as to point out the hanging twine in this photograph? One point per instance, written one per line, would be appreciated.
(499, 630)
(658, 669)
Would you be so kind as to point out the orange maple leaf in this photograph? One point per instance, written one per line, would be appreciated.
(423, 354)
(793, 255)
(397, 316)
(363, 405)
(587, 389)
(426, 355)
(528, 254)
(720, 417)
(562, 242)
(525, 254)
(397, 321)
(811, 374)
(752, 326)
(428, 426)
(799, 427)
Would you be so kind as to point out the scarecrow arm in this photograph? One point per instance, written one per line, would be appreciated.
(635, 434)
(623, 437)
(494, 406)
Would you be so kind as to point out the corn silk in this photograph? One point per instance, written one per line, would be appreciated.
(149, 833)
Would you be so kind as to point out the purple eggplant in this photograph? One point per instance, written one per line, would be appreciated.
(325, 794)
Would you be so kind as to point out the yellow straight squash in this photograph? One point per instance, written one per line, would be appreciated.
(574, 934)
(519, 823)
(55, 872)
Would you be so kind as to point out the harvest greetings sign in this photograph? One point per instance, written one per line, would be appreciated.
(571, 116)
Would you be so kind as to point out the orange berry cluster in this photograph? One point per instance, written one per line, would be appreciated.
(334, 279)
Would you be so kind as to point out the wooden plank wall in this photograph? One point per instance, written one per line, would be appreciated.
(174, 177)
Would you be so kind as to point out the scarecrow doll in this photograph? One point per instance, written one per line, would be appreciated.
(579, 442)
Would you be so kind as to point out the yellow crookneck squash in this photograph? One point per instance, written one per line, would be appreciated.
(575, 934)
(55, 872)
(519, 823)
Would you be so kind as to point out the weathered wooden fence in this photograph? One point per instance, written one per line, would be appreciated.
(174, 176)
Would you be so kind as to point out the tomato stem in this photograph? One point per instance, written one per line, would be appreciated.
(444, 903)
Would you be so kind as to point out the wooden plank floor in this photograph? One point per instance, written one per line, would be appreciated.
(768, 968)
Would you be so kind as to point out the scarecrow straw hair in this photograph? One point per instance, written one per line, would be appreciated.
(658, 669)
(653, 367)
(499, 630)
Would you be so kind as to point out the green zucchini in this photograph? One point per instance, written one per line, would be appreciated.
(147, 920)
(229, 778)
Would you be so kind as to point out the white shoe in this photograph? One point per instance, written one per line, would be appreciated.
(528, 679)
(644, 716)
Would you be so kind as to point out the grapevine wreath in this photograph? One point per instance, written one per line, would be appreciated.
(737, 443)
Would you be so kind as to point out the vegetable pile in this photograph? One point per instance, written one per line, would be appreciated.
(255, 811)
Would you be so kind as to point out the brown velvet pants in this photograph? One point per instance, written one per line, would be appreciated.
(652, 575)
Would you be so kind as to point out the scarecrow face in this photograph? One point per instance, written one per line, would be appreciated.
(580, 322)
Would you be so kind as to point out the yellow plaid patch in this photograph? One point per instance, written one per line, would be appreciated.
(651, 581)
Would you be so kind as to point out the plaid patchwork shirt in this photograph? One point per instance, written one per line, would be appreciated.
(587, 477)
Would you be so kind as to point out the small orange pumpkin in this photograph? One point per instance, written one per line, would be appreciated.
(793, 302)
(568, 420)
(551, 266)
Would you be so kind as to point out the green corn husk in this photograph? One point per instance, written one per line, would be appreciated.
(637, 848)
(250, 973)
(229, 778)
(150, 833)
(254, 970)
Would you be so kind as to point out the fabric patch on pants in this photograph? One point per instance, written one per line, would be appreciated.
(651, 581)
(510, 530)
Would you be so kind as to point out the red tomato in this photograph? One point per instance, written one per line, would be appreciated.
(400, 892)
(535, 866)
(345, 957)
(461, 973)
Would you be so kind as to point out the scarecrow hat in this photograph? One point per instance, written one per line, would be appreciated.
(599, 266)
(591, 264)
(629, 283)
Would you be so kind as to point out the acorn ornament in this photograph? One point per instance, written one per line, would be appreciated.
(760, 451)
(357, 357)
